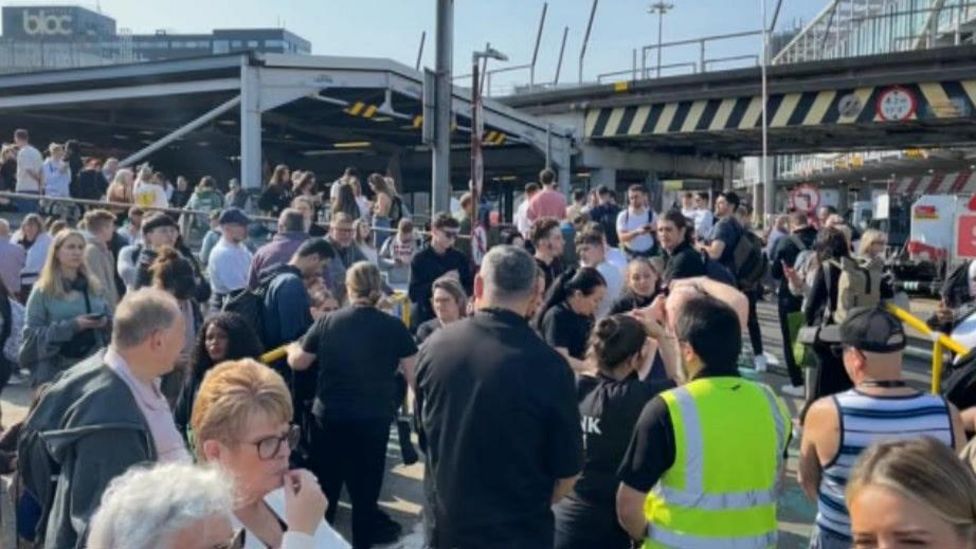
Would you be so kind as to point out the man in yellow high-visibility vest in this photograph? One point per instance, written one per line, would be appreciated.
(705, 460)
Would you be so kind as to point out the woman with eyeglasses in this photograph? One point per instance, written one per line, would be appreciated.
(242, 422)
(358, 350)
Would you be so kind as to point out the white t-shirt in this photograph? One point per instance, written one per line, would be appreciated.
(228, 266)
(615, 284)
(30, 160)
(149, 195)
(522, 222)
(704, 220)
(57, 178)
(629, 221)
(325, 537)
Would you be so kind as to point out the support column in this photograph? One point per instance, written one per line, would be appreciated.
(654, 186)
(769, 191)
(441, 151)
(250, 129)
(562, 162)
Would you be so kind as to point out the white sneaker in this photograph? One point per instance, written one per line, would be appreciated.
(759, 363)
(771, 359)
(793, 391)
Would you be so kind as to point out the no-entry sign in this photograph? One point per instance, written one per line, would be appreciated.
(805, 198)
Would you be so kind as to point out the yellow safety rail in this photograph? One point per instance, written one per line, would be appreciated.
(940, 342)
(399, 300)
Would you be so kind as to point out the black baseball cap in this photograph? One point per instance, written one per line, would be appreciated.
(872, 329)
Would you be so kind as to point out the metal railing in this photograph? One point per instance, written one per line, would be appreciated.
(940, 344)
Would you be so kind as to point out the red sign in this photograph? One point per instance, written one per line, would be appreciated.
(805, 198)
(926, 211)
(966, 236)
(896, 104)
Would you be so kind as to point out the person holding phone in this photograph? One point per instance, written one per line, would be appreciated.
(636, 225)
(67, 315)
(242, 421)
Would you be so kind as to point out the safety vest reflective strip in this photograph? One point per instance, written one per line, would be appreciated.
(694, 497)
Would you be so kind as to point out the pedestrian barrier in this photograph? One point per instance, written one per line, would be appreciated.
(940, 343)
(400, 308)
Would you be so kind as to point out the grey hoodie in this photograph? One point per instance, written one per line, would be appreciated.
(94, 431)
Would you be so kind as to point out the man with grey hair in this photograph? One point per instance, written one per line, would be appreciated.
(489, 390)
(170, 506)
(291, 233)
(104, 415)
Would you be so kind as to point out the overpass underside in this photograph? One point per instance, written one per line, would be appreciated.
(907, 99)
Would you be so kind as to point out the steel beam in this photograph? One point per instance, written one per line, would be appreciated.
(181, 131)
(117, 93)
(250, 127)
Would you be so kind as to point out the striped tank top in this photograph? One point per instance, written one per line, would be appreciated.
(865, 419)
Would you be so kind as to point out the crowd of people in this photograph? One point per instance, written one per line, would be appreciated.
(578, 386)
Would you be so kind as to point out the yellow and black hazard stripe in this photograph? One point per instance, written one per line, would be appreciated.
(932, 100)
(494, 138)
(361, 109)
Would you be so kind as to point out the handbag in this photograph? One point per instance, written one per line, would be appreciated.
(802, 353)
(827, 332)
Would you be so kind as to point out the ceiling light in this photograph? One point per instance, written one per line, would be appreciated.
(352, 144)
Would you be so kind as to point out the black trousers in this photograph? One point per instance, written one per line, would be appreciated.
(787, 304)
(755, 336)
(351, 453)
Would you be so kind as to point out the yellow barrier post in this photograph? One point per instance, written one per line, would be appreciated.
(940, 342)
(937, 359)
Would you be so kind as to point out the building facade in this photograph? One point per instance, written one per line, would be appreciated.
(56, 37)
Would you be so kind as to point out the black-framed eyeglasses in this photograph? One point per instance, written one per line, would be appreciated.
(236, 542)
(269, 447)
(450, 234)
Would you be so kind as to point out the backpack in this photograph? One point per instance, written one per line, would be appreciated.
(955, 288)
(249, 304)
(751, 264)
(859, 285)
(959, 387)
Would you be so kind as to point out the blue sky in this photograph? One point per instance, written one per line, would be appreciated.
(392, 28)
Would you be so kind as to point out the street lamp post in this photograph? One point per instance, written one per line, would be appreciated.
(660, 8)
(477, 129)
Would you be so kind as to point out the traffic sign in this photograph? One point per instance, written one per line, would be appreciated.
(966, 236)
(896, 104)
(805, 198)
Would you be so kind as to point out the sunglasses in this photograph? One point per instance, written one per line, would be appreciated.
(269, 447)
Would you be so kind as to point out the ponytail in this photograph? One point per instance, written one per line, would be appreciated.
(584, 279)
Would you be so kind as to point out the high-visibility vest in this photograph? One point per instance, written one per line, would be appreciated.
(730, 434)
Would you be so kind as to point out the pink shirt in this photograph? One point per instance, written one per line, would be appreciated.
(547, 203)
(152, 403)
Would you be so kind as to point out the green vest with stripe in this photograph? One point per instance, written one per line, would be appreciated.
(729, 434)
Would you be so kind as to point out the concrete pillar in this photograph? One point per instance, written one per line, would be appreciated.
(441, 151)
(250, 128)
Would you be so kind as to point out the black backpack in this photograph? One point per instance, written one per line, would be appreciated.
(751, 263)
(955, 289)
(249, 304)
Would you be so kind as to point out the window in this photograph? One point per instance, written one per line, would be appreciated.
(236, 44)
(221, 46)
(252, 43)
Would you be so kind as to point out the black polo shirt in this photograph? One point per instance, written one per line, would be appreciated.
(563, 327)
(358, 349)
(551, 271)
(497, 416)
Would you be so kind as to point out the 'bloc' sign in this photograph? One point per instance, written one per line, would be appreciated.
(966, 236)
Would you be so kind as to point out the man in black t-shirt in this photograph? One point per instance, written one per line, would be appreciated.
(497, 417)
(547, 239)
(434, 261)
(726, 232)
(605, 213)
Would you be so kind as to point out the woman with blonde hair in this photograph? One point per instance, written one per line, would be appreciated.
(912, 492)
(450, 304)
(120, 190)
(242, 422)
(872, 244)
(364, 240)
(355, 399)
(67, 317)
(386, 208)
